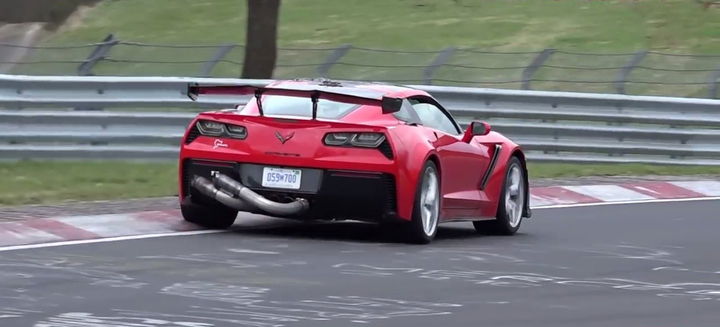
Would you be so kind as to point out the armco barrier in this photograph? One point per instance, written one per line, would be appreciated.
(144, 117)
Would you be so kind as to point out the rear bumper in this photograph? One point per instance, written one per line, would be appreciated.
(333, 193)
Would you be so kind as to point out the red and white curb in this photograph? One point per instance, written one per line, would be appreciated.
(79, 229)
(646, 191)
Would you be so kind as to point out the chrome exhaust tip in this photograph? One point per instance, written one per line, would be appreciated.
(207, 188)
(237, 196)
(223, 182)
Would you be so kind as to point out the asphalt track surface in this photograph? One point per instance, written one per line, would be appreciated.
(614, 265)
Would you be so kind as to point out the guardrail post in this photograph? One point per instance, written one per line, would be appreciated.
(333, 58)
(714, 84)
(221, 52)
(439, 60)
(99, 53)
(625, 71)
(533, 67)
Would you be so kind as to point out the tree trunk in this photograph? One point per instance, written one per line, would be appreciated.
(261, 38)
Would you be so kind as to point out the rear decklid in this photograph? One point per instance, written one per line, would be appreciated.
(301, 138)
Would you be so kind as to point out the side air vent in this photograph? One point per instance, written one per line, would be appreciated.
(386, 150)
(192, 135)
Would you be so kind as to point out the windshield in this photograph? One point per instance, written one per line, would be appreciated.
(279, 105)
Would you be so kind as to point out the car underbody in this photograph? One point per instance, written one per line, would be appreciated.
(330, 194)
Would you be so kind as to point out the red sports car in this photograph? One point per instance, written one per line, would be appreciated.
(320, 149)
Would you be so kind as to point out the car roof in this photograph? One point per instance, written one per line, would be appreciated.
(383, 89)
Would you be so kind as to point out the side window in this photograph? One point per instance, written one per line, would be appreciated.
(434, 117)
(405, 114)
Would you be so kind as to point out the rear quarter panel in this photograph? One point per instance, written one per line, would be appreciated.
(412, 150)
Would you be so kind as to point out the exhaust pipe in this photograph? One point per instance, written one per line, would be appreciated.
(247, 195)
(207, 188)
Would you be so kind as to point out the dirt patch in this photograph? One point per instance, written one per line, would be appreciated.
(53, 12)
(75, 20)
(21, 35)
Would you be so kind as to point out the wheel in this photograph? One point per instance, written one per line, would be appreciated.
(426, 209)
(207, 215)
(511, 203)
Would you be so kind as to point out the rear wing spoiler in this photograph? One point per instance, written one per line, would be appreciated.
(314, 92)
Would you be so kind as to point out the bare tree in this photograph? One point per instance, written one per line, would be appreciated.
(261, 38)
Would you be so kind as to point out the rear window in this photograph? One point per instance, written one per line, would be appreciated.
(279, 105)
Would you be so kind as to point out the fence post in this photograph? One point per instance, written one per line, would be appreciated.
(333, 58)
(714, 84)
(533, 67)
(625, 71)
(99, 53)
(221, 52)
(439, 60)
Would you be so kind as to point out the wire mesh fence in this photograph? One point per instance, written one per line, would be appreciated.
(641, 73)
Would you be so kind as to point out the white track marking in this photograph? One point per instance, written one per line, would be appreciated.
(557, 206)
(609, 192)
(109, 239)
(199, 232)
(538, 201)
(709, 188)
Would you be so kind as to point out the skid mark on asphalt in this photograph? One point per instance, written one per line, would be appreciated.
(473, 255)
(638, 253)
(60, 267)
(78, 319)
(209, 258)
(700, 291)
(250, 303)
(252, 251)
(20, 274)
(6, 313)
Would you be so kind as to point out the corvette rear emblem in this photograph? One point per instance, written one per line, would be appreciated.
(285, 138)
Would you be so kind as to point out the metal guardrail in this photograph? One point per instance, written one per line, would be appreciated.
(642, 72)
(62, 117)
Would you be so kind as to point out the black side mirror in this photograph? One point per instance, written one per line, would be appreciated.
(477, 128)
(480, 128)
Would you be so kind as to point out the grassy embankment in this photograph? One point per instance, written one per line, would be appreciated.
(612, 26)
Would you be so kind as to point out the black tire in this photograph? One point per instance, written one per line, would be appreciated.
(502, 224)
(415, 230)
(208, 215)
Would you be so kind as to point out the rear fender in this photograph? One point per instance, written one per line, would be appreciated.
(411, 157)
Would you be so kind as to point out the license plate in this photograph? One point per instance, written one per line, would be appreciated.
(281, 178)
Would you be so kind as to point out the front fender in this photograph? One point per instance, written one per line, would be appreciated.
(493, 189)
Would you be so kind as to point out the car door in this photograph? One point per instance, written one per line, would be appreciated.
(462, 164)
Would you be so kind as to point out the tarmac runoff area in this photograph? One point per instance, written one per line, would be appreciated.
(631, 262)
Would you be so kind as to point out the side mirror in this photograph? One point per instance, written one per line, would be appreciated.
(477, 128)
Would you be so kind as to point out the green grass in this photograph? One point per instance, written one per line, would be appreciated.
(32, 182)
(614, 25)
(675, 26)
